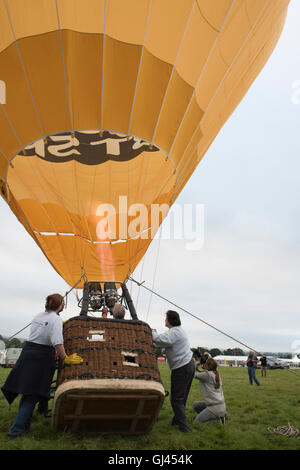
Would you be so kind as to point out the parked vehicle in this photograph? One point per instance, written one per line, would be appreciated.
(2, 353)
(2, 357)
(277, 364)
(12, 355)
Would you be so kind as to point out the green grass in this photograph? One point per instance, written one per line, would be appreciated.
(251, 410)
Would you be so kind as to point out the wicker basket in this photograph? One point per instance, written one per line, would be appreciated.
(118, 387)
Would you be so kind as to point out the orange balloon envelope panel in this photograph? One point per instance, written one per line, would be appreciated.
(112, 104)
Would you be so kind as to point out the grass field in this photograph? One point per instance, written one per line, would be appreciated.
(251, 410)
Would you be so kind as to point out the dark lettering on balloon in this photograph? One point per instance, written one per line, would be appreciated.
(87, 147)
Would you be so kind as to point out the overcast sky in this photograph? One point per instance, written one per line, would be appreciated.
(245, 280)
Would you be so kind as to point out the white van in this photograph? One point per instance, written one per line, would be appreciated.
(12, 355)
(2, 353)
(2, 357)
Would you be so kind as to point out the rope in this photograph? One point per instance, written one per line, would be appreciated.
(138, 295)
(75, 285)
(192, 315)
(289, 431)
(141, 284)
(65, 296)
(19, 332)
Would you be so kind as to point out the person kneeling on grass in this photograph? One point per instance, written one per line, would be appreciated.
(213, 407)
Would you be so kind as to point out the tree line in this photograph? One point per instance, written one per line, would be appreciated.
(213, 352)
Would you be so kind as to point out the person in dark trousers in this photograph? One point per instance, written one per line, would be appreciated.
(252, 364)
(263, 361)
(33, 372)
(181, 363)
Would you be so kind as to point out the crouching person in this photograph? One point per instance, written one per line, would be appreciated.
(213, 407)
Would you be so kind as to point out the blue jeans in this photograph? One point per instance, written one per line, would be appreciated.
(23, 418)
(252, 376)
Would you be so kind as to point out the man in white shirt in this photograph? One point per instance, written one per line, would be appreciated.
(180, 360)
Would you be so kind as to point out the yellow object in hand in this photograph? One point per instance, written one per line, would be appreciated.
(73, 359)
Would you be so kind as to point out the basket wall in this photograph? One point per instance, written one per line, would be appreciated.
(121, 349)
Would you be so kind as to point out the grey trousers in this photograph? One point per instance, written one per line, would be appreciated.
(181, 381)
(204, 415)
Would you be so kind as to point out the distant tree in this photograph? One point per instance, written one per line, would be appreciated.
(285, 355)
(14, 343)
(199, 351)
(234, 352)
(215, 352)
(203, 349)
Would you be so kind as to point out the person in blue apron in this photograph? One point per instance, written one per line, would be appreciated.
(33, 372)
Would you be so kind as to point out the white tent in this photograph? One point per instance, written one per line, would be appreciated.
(294, 362)
(236, 361)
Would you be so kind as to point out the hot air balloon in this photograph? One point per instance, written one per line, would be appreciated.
(110, 99)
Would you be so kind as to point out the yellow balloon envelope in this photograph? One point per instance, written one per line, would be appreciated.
(113, 103)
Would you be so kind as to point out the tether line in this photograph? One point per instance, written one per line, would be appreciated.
(65, 296)
(200, 319)
(191, 314)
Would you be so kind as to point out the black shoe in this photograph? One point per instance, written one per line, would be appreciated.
(222, 420)
(184, 429)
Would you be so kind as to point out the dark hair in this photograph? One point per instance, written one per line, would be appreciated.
(173, 318)
(53, 301)
(212, 365)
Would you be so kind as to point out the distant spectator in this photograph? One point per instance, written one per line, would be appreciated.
(263, 361)
(252, 364)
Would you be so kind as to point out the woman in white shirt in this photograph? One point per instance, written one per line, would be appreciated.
(33, 373)
(213, 407)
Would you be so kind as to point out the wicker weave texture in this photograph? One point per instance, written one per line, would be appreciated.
(110, 348)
